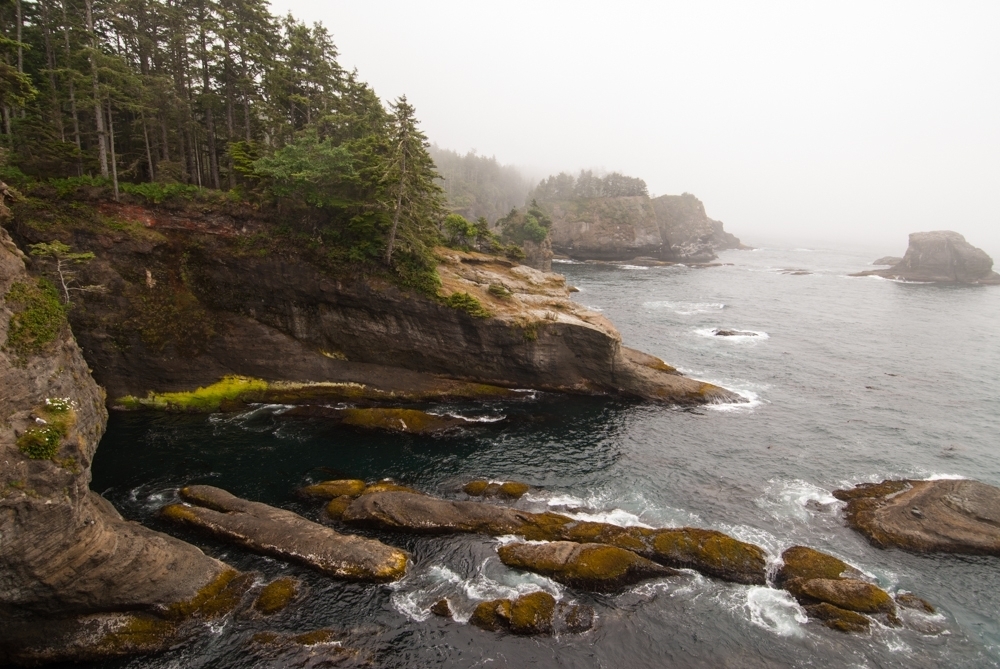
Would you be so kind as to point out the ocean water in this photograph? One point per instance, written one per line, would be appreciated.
(849, 380)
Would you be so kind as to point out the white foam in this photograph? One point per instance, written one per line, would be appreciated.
(776, 611)
(756, 336)
(632, 267)
(752, 400)
(945, 477)
(567, 261)
(686, 308)
(586, 510)
(795, 498)
(471, 419)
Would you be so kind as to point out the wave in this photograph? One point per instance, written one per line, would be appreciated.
(632, 266)
(752, 399)
(567, 261)
(755, 336)
(686, 308)
(776, 611)
(796, 499)
(471, 419)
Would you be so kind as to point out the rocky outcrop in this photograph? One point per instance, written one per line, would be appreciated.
(286, 535)
(594, 567)
(77, 581)
(888, 260)
(946, 515)
(536, 613)
(409, 421)
(669, 228)
(186, 308)
(940, 257)
(687, 231)
(501, 489)
(707, 551)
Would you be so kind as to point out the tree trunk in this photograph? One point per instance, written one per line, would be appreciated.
(399, 209)
(102, 140)
(114, 162)
(149, 153)
(72, 95)
(50, 59)
(206, 96)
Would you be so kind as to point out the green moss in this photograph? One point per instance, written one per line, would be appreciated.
(492, 615)
(336, 508)
(804, 562)
(513, 489)
(839, 619)
(204, 399)
(597, 567)
(468, 304)
(38, 317)
(138, 633)
(276, 595)
(40, 443)
(499, 291)
(849, 594)
(402, 420)
(389, 486)
(215, 599)
(333, 489)
(532, 614)
(710, 552)
(476, 488)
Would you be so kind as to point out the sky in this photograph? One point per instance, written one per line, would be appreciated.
(830, 122)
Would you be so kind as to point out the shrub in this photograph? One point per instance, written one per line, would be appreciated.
(499, 290)
(468, 304)
(40, 443)
(38, 318)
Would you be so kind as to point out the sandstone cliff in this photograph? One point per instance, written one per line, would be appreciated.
(941, 256)
(76, 580)
(194, 297)
(671, 227)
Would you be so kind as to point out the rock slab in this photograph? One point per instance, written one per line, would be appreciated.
(596, 567)
(286, 535)
(941, 516)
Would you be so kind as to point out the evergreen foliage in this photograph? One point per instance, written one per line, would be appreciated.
(477, 186)
(564, 186)
(532, 225)
(168, 99)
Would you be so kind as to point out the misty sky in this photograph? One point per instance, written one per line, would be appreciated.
(858, 121)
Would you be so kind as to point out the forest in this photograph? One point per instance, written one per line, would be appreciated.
(477, 186)
(183, 98)
(565, 186)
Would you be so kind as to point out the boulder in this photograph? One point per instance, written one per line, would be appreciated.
(707, 551)
(332, 489)
(839, 619)
(945, 515)
(285, 535)
(845, 593)
(504, 490)
(941, 256)
(807, 563)
(596, 567)
(719, 332)
(277, 595)
(536, 613)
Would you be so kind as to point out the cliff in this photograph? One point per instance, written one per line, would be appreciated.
(76, 580)
(671, 228)
(194, 296)
(941, 256)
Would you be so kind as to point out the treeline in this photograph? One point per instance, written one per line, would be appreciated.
(565, 186)
(218, 94)
(477, 186)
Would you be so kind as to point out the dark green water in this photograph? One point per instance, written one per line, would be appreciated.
(856, 380)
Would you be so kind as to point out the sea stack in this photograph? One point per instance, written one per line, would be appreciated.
(941, 256)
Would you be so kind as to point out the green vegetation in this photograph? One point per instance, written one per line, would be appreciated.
(564, 186)
(479, 187)
(56, 417)
(210, 102)
(468, 304)
(208, 398)
(38, 317)
(530, 225)
(63, 258)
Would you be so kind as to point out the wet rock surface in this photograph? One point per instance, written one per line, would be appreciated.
(391, 419)
(286, 535)
(946, 515)
(503, 490)
(537, 613)
(595, 567)
(720, 332)
(277, 595)
(941, 256)
(708, 551)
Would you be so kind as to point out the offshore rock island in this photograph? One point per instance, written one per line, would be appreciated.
(941, 256)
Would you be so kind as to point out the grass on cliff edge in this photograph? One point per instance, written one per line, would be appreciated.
(205, 399)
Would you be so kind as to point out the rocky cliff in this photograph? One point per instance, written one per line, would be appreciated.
(671, 228)
(76, 580)
(941, 256)
(191, 298)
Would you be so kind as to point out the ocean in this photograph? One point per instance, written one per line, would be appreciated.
(847, 380)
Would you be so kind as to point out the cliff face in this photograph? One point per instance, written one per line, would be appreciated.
(941, 256)
(670, 227)
(185, 308)
(73, 573)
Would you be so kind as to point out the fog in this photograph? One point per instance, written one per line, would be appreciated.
(837, 122)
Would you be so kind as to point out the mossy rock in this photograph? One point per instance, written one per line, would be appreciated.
(137, 633)
(844, 593)
(335, 509)
(441, 608)
(532, 614)
(388, 486)
(872, 490)
(839, 619)
(216, 599)
(596, 567)
(505, 490)
(492, 615)
(807, 563)
(710, 552)
(276, 595)
(911, 601)
(333, 489)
